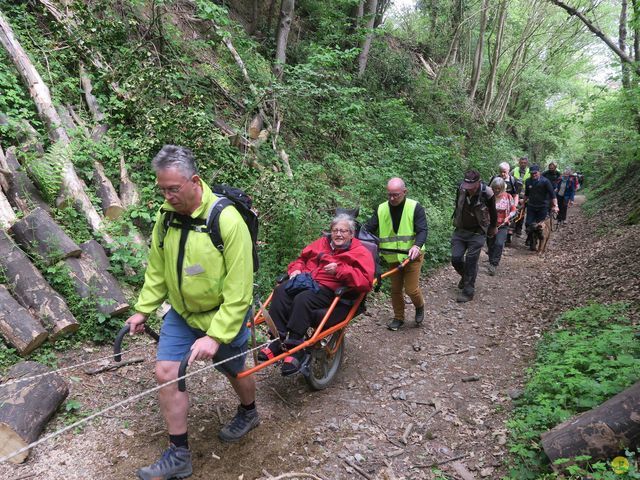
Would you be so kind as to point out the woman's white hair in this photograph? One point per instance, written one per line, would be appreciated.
(504, 166)
(497, 185)
(348, 219)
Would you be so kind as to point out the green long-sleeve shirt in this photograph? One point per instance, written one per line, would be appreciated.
(216, 287)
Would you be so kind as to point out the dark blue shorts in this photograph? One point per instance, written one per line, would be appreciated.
(176, 338)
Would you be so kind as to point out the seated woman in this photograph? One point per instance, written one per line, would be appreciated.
(334, 261)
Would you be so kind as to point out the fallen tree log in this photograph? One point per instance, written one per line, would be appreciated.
(96, 283)
(26, 407)
(7, 215)
(21, 193)
(129, 195)
(601, 433)
(73, 188)
(18, 327)
(39, 233)
(25, 133)
(111, 205)
(29, 287)
(97, 254)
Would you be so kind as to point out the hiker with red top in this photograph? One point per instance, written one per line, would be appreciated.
(328, 263)
(506, 210)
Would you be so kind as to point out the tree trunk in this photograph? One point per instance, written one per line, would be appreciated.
(25, 407)
(29, 287)
(40, 234)
(286, 16)
(7, 215)
(598, 33)
(601, 433)
(495, 61)
(18, 327)
(129, 195)
(622, 43)
(478, 56)
(111, 205)
(98, 256)
(91, 281)
(381, 9)
(365, 46)
(72, 186)
(21, 192)
(456, 23)
(636, 30)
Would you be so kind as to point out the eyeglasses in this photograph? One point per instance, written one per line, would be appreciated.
(394, 195)
(342, 231)
(164, 191)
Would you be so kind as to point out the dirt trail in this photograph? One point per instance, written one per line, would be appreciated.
(402, 402)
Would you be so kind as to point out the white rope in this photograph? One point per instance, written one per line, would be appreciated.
(73, 367)
(124, 402)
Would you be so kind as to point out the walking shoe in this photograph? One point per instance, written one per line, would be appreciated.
(491, 269)
(464, 297)
(243, 422)
(419, 315)
(270, 351)
(461, 284)
(395, 324)
(292, 363)
(508, 241)
(175, 462)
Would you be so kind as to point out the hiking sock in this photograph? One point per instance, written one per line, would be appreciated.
(251, 406)
(181, 440)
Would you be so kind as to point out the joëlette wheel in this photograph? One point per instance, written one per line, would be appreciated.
(324, 366)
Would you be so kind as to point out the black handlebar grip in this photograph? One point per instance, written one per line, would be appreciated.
(117, 345)
(182, 370)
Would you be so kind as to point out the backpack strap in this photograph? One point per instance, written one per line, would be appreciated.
(213, 222)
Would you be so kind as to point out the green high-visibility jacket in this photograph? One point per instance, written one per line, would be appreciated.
(217, 288)
(520, 176)
(404, 238)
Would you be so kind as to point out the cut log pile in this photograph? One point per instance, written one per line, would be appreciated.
(25, 407)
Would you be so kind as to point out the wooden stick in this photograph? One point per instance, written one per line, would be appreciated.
(357, 468)
(114, 366)
(407, 432)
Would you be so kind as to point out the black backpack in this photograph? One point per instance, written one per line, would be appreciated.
(228, 196)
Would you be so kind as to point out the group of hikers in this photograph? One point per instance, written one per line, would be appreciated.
(207, 276)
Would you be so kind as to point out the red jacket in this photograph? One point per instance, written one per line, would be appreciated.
(355, 269)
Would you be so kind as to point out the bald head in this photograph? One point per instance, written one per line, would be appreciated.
(396, 191)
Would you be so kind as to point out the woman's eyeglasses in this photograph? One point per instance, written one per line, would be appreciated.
(342, 231)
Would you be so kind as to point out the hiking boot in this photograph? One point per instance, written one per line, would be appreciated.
(419, 315)
(461, 284)
(395, 324)
(464, 297)
(175, 462)
(491, 269)
(244, 421)
(508, 241)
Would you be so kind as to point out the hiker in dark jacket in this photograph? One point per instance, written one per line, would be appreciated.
(540, 197)
(474, 218)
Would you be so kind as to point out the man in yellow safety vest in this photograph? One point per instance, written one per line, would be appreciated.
(401, 224)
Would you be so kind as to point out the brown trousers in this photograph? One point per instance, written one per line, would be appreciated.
(409, 279)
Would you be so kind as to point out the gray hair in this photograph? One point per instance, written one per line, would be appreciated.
(348, 219)
(504, 166)
(497, 185)
(568, 171)
(173, 156)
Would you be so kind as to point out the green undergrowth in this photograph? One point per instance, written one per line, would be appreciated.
(591, 355)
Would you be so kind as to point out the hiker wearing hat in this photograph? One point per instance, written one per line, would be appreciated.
(401, 224)
(539, 195)
(474, 218)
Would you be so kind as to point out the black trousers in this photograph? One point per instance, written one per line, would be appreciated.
(297, 314)
(563, 203)
(465, 253)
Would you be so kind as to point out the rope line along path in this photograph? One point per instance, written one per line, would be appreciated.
(73, 367)
(124, 402)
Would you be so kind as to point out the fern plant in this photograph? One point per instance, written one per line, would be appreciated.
(47, 170)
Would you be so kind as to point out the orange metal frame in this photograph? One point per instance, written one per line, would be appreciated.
(319, 332)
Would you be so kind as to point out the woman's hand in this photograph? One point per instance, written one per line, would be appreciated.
(331, 268)
(294, 273)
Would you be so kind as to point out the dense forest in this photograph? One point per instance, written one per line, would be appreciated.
(308, 105)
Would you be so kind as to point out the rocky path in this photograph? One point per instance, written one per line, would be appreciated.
(405, 403)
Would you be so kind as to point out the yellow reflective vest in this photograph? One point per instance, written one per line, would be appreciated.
(404, 238)
(519, 176)
(217, 288)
